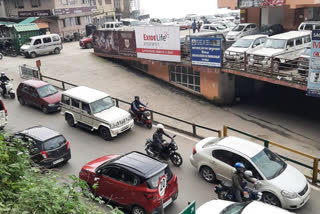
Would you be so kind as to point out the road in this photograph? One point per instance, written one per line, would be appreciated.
(86, 146)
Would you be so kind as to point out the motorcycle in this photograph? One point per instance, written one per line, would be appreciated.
(168, 152)
(145, 119)
(9, 51)
(9, 90)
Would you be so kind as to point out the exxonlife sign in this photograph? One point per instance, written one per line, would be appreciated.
(313, 87)
(158, 43)
(206, 51)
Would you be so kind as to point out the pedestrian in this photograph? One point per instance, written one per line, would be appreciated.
(194, 26)
(198, 26)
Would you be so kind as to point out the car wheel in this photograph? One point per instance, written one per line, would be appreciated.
(33, 55)
(57, 51)
(89, 45)
(105, 133)
(208, 174)
(70, 120)
(149, 125)
(137, 210)
(12, 95)
(21, 101)
(44, 109)
(176, 159)
(270, 198)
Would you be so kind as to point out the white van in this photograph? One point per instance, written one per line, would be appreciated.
(309, 25)
(284, 47)
(112, 26)
(40, 45)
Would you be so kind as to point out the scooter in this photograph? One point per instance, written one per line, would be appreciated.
(145, 119)
(168, 152)
(9, 92)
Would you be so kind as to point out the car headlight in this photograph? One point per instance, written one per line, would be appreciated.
(113, 125)
(288, 194)
(51, 105)
(129, 118)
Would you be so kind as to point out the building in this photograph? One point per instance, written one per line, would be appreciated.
(65, 17)
(111, 10)
(289, 13)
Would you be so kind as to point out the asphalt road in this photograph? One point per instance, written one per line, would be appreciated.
(86, 146)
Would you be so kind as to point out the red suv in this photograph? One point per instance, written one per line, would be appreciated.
(86, 42)
(39, 94)
(131, 180)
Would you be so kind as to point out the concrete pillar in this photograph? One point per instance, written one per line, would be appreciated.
(226, 88)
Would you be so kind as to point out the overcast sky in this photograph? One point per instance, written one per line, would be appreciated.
(177, 8)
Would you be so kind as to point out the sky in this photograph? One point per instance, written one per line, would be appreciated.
(178, 8)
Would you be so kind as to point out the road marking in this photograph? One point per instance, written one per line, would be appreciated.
(179, 134)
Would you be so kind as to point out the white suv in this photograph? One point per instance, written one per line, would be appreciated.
(94, 110)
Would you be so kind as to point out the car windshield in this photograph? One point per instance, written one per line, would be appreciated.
(238, 28)
(275, 43)
(54, 143)
(47, 90)
(29, 42)
(242, 43)
(153, 181)
(269, 164)
(101, 105)
(235, 208)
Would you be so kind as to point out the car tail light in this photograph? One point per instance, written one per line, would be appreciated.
(68, 145)
(4, 108)
(194, 151)
(44, 154)
(150, 196)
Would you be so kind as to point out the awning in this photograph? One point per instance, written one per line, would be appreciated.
(29, 20)
(6, 23)
(26, 27)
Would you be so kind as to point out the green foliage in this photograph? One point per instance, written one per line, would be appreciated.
(25, 189)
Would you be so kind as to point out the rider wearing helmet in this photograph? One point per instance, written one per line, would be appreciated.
(237, 181)
(3, 79)
(158, 138)
(135, 106)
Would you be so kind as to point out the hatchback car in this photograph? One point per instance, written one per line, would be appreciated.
(229, 207)
(131, 180)
(282, 184)
(47, 147)
(39, 94)
(86, 42)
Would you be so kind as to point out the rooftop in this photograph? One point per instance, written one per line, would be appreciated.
(35, 83)
(85, 94)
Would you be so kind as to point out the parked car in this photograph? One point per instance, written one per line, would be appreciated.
(167, 22)
(39, 94)
(3, 115)
(94, 110)
(281, 184)
(284, 47)
(241, 30)
(227, 24)
(303, 63)
(271, 29)
(214, 28)
(183, 24)
(131, 180)
(86, 42)
(244, 45)
(112, 26)
(40, 45)
(47, 147)
(228, 207)
(309, 26)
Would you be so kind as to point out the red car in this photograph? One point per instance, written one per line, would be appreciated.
(39, 94)
(131, 180)
(86, 42)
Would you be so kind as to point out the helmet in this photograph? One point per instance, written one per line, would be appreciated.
(2, 73)
(160, 126)
(136, 97)
(239, 166)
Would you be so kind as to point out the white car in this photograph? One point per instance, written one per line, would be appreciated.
(244, 45)
(229, 207)
(281, 184)
(214, 28)
(241, 30)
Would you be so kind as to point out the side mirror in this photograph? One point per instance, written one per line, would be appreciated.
(99, 171)
(35, 151)
(173, 136)
(248, 173)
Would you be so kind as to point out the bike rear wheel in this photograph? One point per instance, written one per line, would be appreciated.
(176, 159)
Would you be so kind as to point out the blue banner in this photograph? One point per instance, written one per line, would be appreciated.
(206, 51)
(313, 87)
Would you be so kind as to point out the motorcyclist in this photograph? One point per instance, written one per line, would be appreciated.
(135, 106)
(3, 79)
(238, 180)
(158, 142)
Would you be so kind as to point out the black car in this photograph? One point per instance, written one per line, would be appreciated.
(47, 147)
(271, 29)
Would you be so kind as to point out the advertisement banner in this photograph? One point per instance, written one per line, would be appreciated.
(127, 43)
(206, 51)
(158, 43)
(259, 3)
(313, 87)
(106, 42)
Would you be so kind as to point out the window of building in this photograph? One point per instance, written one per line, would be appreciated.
(67, 22)
(64, 2)
(35, 3)
(85, 1)
(117, 4)
(19, 3)
(72, 2)
(87, 20)
(107, 1)
(77, 20)
(46, 40)
(93, 2)
(100, 2)
(185, 76)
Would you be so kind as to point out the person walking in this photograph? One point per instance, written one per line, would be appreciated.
(194, 26)
(198, 26)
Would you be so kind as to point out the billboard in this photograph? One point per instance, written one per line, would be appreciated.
(158, 43)
(127, 43)
(206, 51)
(106, 42)
(259, 3)
(313, 87)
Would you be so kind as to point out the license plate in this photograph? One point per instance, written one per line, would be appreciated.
(125, 128)
(58, 161)
(167, 203)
